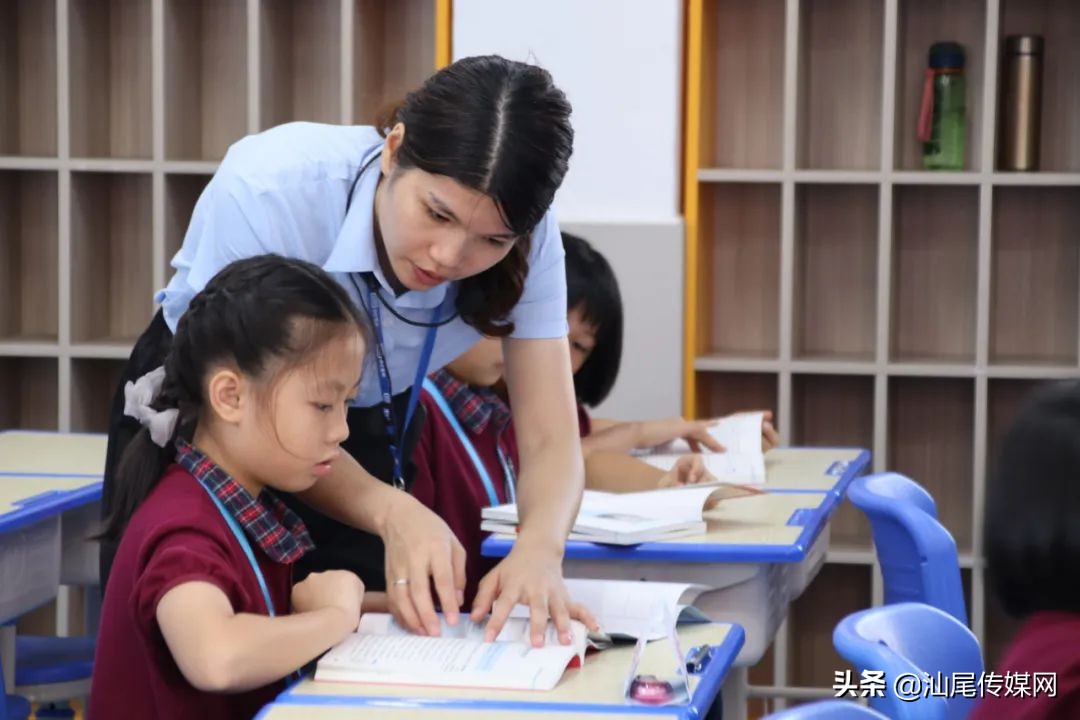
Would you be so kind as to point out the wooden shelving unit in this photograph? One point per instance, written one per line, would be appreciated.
(865, 300)
(121, 111)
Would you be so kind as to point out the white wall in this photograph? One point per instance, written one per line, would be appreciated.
(619, 62)
(648, 261)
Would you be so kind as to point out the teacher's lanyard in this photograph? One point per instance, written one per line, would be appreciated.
(470, 449)
(396, 437)
(241, 538)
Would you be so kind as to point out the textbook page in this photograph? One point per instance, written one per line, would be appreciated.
(631, 518)
(382, 652)
(631, 609)
(742, 459)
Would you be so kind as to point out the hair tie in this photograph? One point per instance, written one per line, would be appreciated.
(138, 404)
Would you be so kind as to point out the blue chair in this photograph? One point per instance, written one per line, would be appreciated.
(828, 710)
(911, 638)
(918, 557)
(12, 707)
(50, 671)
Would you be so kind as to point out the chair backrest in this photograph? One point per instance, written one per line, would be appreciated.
(918, 557)
(828, 710)
(919, 640)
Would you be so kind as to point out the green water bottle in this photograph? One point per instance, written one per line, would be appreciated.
(942, 116)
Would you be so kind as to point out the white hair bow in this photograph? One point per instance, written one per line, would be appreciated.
(138, 397)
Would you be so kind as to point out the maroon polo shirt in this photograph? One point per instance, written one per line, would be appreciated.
(447, 482)
(177, 535)
(1048, 642)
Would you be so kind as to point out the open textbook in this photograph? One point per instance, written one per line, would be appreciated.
(629, 609)
(742, 460)
(382, 652)
(631, 518)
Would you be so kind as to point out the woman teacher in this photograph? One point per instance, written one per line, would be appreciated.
(438, 224)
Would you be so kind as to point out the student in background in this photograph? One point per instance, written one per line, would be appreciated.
(467, 454)
(200, 617)
(595, 318)
(1033, 553)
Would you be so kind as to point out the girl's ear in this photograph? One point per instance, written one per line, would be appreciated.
(225, 395)
(394, 139)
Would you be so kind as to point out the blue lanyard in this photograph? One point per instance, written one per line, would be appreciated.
(470, 449)
(241, 538)
(397, 439)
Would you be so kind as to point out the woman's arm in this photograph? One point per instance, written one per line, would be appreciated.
(549, 490)
(420, 547)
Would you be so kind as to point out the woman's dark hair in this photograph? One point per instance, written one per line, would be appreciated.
(1033, 506)
(254, 312)
(591, 287)
(502, 128)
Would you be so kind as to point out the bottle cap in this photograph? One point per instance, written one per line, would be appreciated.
(1024, 45)
(947, 56)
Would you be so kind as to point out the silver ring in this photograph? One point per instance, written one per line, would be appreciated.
(401, 581)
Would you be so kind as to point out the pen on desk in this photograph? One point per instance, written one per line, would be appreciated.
(696, 658)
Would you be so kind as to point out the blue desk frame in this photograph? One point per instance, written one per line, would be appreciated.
(812, 521)
(721, 658)
(49, 503)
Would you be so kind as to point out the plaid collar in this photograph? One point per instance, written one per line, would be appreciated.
(473, 406)
(276, 529)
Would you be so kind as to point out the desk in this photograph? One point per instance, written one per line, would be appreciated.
(592, 691)
(823, 469)
(45, 518)
(758, 553)
(741, 555)
(47, 453)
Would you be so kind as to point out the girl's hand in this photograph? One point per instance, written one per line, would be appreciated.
(652, 433)
(769, 437)
(688, 470)
(340, 589)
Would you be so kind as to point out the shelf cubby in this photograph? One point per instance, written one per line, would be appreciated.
(749, 65)
(1004, 400)
(741, 291)
(205, 77)
(921, 23)
(93, 384)
(836, 411)
(111, 271)
(835, 272)
(840, 84)
(1035, 296)
(181, 193)
(300, 68)
(110, 78)
(28, 78)
(724, 393)
(28, 386)
(930, 439)
(393, 53)
(1058, 22)
(934, 273)
(29, 246)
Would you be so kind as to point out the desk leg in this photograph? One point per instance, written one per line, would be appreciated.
(735, 693)
(7, 655)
